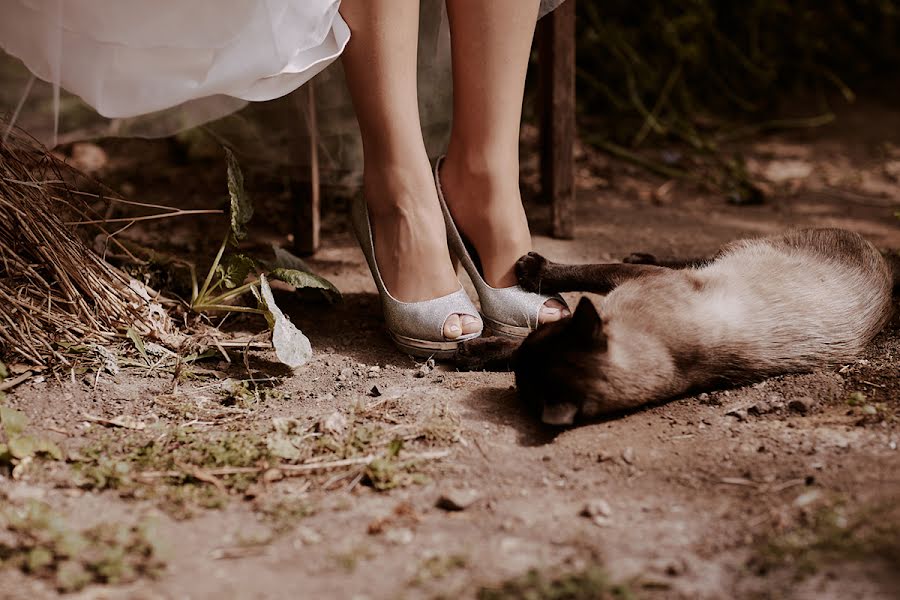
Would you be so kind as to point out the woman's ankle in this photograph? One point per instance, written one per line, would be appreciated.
(495, 167)
(487, 208)
(394, 190)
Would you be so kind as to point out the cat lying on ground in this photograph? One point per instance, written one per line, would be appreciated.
(762, 307)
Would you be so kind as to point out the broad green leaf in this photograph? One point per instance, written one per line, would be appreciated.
(22, 446)
(13, 421)
(135, 338)
(306, 280)
(234, 270)
(286, 260)
(38, 558)
(291, 346)
(241, 206)
(49, 449)
(395, 447)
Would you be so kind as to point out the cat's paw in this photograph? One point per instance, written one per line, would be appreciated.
(470, 355)
(485, 354)
(640, 258)
(530, 271)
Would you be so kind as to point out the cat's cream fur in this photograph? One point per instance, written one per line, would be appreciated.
(765, 306)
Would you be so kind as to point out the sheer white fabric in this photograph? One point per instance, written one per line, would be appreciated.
(132, 57)
(155, 68)
(549, 5)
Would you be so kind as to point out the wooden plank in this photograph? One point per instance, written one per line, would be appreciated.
(305, 191)
(556, 72)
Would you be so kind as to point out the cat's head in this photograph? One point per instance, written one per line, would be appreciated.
(560, 367)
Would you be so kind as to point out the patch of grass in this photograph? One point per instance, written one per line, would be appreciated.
(833, 533)
(350, 559)
(17, 447)
(40, 542)
(437, 567)
(172, 467)
(589, 584)
(283, 513)
(117, 461)
(186, 467)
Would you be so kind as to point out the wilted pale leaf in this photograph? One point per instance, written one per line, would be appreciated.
(281, 446)
(108, 360)
(291, 346)
(127, 422)
(335, 423)
(285, 441)
(306, 280)
(241, 206)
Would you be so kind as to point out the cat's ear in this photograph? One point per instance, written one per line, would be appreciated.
(587, 326)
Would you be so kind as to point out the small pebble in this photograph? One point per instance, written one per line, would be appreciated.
(628, 455)
(802, 405)
(597, 507)
(598, 511)
(457, 499)
(400, 536)
(739, 413)
(307, 536)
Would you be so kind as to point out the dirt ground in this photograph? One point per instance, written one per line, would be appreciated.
(784, 489)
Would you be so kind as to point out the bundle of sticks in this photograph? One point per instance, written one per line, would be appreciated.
(55, 292)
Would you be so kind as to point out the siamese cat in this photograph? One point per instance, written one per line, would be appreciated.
(761, 307)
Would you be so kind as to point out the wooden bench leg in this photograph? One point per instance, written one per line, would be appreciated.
(556, 70)
(305, 192)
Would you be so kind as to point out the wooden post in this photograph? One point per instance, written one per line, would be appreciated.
(556, 72)
(306, 193)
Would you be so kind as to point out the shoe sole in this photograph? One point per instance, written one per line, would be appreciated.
(504, 329)
(427, 349)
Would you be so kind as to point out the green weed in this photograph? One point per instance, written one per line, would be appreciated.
(832, 533)
(40, 542)
(589, 584)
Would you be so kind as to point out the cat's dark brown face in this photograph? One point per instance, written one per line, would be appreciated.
(559, 366)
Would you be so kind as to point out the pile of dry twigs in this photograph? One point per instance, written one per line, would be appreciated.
(56, 294)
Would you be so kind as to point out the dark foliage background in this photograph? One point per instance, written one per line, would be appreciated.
(671, 67)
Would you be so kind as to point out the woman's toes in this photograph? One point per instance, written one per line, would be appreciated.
(553, 310)
(452, 327)
(470, 324)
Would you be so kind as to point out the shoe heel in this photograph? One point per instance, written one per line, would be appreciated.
(510, 311)
(416, 328)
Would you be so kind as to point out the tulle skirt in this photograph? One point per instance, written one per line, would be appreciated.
(153, 68)
(131, 57)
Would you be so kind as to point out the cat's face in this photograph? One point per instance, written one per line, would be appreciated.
(559, 367)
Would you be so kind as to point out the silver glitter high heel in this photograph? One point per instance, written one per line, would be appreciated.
(509, 311)
(417, 328)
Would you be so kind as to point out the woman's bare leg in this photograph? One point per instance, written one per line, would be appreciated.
(410, 238)
(491, 42)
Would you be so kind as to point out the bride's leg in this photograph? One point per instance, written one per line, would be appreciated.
(491, 42)
(410, 239)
